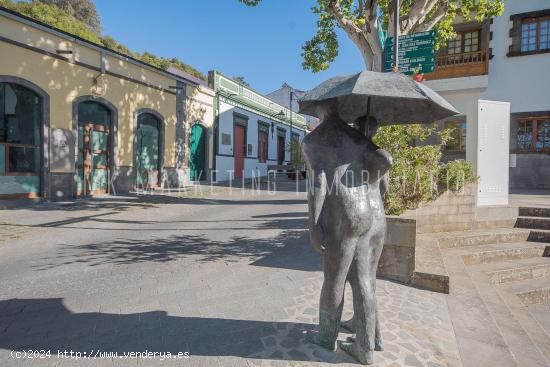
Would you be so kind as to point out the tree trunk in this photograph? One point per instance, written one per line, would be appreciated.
(370, 49)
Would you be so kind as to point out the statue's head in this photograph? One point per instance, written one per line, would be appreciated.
(367, 125)
(325, 109)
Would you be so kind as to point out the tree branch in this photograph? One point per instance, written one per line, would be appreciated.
(417, 14)
(363, 39)
(345, 23)
(439, 14)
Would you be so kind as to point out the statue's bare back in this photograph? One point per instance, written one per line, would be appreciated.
(352, 184)
(347, 224)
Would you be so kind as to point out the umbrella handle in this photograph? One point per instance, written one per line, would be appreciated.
(368, 108)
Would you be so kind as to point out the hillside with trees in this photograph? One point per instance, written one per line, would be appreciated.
(80, 18)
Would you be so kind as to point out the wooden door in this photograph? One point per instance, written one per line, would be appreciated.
(197, 156)
(239, 150)
(262, 147)
(93, 159)
(147, 155)
(280, 150)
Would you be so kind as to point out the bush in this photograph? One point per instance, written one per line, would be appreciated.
(54, 16)
(455, 174)
(417, 175)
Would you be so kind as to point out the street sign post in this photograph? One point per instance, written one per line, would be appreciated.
(415, 51)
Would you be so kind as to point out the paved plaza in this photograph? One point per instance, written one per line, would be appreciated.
(227, 277)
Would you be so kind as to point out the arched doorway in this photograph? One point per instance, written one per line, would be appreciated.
(94, 155)
(148, 150)
(21, 139)
(197, 153)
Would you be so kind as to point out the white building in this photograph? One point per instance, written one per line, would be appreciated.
(506, 59)
(283, 96)
(251, 131)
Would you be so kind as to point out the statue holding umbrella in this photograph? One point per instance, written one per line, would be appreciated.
(346, 212)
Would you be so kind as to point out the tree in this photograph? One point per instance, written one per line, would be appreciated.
(54, 16)
(361, 21)
(83, 10)
(240, 79)
(53, 12)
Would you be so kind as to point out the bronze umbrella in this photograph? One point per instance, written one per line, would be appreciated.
(391, 98)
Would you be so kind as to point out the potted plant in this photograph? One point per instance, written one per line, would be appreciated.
(417, 74)
(298, 172)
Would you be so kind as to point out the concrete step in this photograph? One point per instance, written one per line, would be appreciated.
(534, 212)
(528, 342)
(496, 253)
(429, 268)
(530, 291)
(479, 313)
(456, 239)
(533, 222)
(515, 270)
(539, 235)
(542, 314)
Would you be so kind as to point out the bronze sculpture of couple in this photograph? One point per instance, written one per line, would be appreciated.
(348, 177)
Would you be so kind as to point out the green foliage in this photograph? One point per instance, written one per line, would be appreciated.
(417, 176)
(48, 11)
(295, 148)
(54, 16)
(455, 174)
(241, 80)
(321, 50)
(83, 10)
(250, 2)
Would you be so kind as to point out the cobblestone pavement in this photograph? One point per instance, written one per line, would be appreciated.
(228, 278)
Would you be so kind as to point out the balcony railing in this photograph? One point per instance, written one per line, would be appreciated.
(459, 65)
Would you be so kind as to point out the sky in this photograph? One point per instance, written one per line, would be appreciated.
(261, 43)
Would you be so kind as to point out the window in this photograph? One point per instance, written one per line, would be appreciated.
(464, 42)
(530, 33)
(534, 134)
(471, 41)
(528, 37)
(535, 34)
(458, 136)
(20, 114)
(454, 46)
(263, 133)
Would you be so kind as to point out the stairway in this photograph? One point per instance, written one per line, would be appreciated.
(499, 297)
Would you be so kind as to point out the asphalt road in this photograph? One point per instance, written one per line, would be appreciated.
(223, 278)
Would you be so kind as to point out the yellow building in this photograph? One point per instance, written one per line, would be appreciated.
(77, 119)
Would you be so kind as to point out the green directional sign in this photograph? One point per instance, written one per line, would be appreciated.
(415, 51)
(412, 54)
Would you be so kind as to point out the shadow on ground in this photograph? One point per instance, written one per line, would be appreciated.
(201, 194)
(46, 324)
(288, 250)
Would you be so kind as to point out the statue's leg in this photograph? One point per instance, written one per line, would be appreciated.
(363, 283)
(349, 325)
(378, 343)
(337, 261)
(377, 244)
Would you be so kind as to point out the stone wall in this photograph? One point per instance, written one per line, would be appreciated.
(532, 171)
(397, 259)
(411, 256)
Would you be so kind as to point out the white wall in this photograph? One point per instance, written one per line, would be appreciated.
(282, 96)
(225, 164)
(465, 101)
(521, 80)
